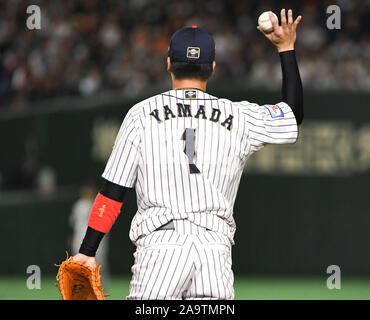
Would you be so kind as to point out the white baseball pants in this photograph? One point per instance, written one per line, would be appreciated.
(189, 262)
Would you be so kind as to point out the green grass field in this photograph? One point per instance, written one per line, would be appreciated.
(247, 288)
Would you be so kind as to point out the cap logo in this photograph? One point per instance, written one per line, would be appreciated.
(190, 94)
(193, 52)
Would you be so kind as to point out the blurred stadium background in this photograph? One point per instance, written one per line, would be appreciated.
(65, 89)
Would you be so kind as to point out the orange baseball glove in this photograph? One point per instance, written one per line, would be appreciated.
(77, 281)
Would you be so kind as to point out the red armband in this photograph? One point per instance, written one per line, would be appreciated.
(104, 213)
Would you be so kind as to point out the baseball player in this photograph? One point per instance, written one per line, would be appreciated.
(184, 151)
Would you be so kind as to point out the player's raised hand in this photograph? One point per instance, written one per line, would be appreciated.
(284, 36)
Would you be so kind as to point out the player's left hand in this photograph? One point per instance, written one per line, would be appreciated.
(284, 36)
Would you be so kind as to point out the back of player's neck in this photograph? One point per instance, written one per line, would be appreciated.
(189, 84)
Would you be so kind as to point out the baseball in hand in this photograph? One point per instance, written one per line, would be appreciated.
(265, 23)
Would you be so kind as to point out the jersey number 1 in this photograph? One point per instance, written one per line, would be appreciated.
(189, 138)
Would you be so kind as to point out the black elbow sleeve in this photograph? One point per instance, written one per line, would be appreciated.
(113, 191)
(292, 89)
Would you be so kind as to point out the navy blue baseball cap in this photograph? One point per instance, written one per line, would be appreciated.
(192, 45)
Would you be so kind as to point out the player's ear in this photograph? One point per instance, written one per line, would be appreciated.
(168, 64)
(213, 66)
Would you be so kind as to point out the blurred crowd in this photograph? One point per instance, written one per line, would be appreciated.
(88, 46)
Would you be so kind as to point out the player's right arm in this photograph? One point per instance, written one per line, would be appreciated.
(119, 175)
(105, 210)
(284, 37)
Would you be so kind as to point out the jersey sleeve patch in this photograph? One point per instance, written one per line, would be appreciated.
(275, 111)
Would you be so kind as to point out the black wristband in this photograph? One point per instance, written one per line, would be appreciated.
(91, 242)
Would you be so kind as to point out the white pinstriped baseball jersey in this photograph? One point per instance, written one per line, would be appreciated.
(184, 152)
